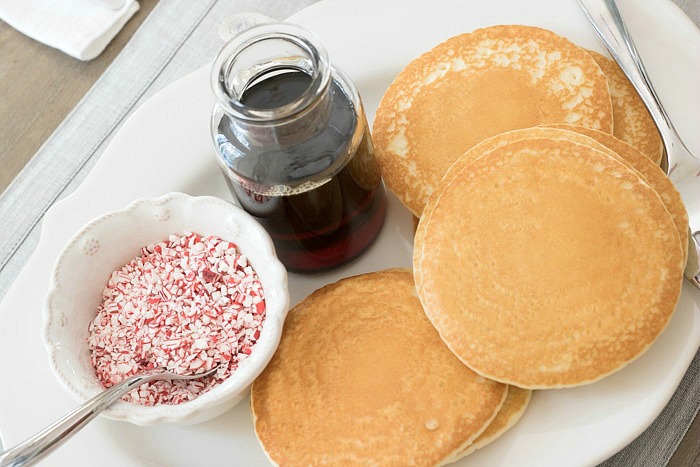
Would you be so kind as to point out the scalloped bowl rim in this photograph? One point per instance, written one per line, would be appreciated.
(223, 396)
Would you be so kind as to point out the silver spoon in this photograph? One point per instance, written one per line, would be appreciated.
(43, 443)
(682, 167)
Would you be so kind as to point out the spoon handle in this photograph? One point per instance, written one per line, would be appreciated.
(40, 445)
(605, 17)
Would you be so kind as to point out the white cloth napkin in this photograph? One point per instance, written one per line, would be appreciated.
(80, 28)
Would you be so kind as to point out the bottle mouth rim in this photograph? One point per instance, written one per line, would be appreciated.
(309, 46)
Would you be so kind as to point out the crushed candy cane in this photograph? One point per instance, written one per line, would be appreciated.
(186, 304)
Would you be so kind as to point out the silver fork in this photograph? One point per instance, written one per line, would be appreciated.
(682, 167)
(46, 441)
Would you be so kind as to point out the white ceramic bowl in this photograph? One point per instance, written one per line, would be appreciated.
(112, 240)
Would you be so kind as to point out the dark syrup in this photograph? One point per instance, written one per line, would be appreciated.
(327, 226)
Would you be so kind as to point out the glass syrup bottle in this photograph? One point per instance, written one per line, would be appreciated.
(291, 135)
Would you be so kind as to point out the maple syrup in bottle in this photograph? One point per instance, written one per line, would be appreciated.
(291, 135)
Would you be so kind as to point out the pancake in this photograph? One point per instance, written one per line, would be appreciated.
(604, 142)
(546, 263)
(362, 378)
(650, 172)
(632, 122)
(477, 85)
(512, 409)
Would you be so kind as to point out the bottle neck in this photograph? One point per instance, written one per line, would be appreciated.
(258, 56)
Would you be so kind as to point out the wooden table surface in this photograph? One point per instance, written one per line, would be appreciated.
(39, 86)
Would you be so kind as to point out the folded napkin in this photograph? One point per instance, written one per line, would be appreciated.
(80, 28)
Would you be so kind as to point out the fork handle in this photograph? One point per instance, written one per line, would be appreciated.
(605, 18)
(43, 443)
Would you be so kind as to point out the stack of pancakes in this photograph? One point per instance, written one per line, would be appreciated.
(549, 253)
(361, 377)
(564, 262)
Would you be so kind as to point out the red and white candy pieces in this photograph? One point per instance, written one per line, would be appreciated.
(186, 304)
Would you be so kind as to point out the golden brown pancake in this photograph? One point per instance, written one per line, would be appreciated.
(650, 172)
(632, 122)
(546, 263)
(604, 142)
(361, 377)
(477, 85)
(513, 408)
